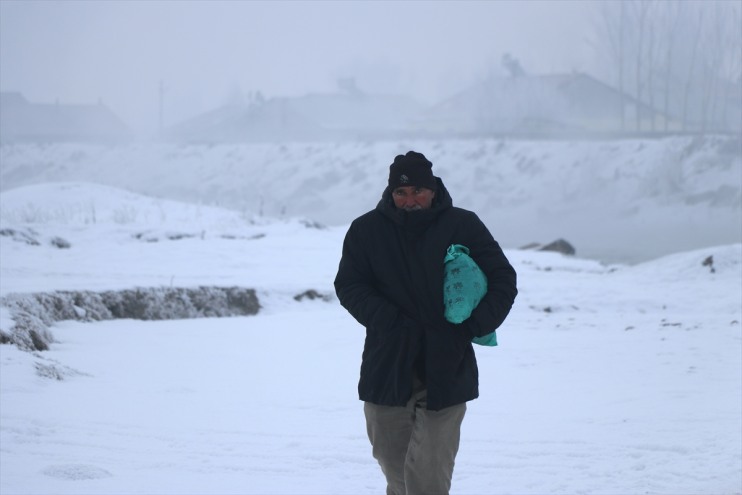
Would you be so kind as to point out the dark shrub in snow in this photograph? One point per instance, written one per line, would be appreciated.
(34, 313)
(29, 236)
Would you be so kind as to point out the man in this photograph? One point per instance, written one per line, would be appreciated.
(417, 370)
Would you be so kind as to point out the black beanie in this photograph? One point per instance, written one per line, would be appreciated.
(412, 169)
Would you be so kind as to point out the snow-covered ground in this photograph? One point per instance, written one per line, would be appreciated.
(616, 200)
(609, 379)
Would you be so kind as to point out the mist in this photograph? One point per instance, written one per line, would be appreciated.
(202, 53)
(161, 155)
(614, 124)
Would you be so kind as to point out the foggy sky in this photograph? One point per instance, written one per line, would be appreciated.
(203, 52)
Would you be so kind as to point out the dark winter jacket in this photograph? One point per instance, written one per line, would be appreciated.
(390, 279)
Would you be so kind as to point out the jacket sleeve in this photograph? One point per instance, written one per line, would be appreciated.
(354, 286)
(501, 280)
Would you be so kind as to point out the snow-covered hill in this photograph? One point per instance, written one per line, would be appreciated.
(623, 200)
(99, 227)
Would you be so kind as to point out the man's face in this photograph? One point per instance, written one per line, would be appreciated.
(412, 198)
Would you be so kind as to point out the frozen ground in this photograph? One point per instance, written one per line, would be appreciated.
(609, 379)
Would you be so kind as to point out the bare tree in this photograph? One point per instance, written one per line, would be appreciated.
(640, 13)
(732, 64)
(650, 62)
(671, 17)
(622, 99)
(684, 56)
(710, 62)
(723, 48)
(610, 29)
(689, 80)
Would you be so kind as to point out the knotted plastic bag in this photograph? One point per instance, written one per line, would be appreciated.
(464, 286)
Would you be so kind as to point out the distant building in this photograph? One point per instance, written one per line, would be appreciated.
(22, 121)
(348, 114)
(539, 105)
(518, 104)
(268, 120)
(353, 113)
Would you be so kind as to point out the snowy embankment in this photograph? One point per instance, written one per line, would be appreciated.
(608, 378)
(617, 201)
(78, 240)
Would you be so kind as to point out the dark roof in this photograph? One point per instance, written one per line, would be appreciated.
(314, 116)
(21, 120)
(267, 120)
(515, 103)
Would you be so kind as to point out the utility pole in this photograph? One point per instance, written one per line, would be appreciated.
(161, 107)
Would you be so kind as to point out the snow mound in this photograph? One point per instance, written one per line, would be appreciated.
(717, 262)
(81, 203)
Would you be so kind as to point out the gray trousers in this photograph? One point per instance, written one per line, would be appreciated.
(416, 448)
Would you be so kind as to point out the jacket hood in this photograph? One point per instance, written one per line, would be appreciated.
(413, 219)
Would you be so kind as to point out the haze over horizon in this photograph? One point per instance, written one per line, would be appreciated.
(206, 53)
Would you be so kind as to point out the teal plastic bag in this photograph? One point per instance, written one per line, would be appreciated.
(464, 286)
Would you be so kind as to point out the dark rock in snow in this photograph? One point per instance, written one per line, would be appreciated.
(559, 246)
(60, 243)
(312, 294)
(531, 245)
(709, 262)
